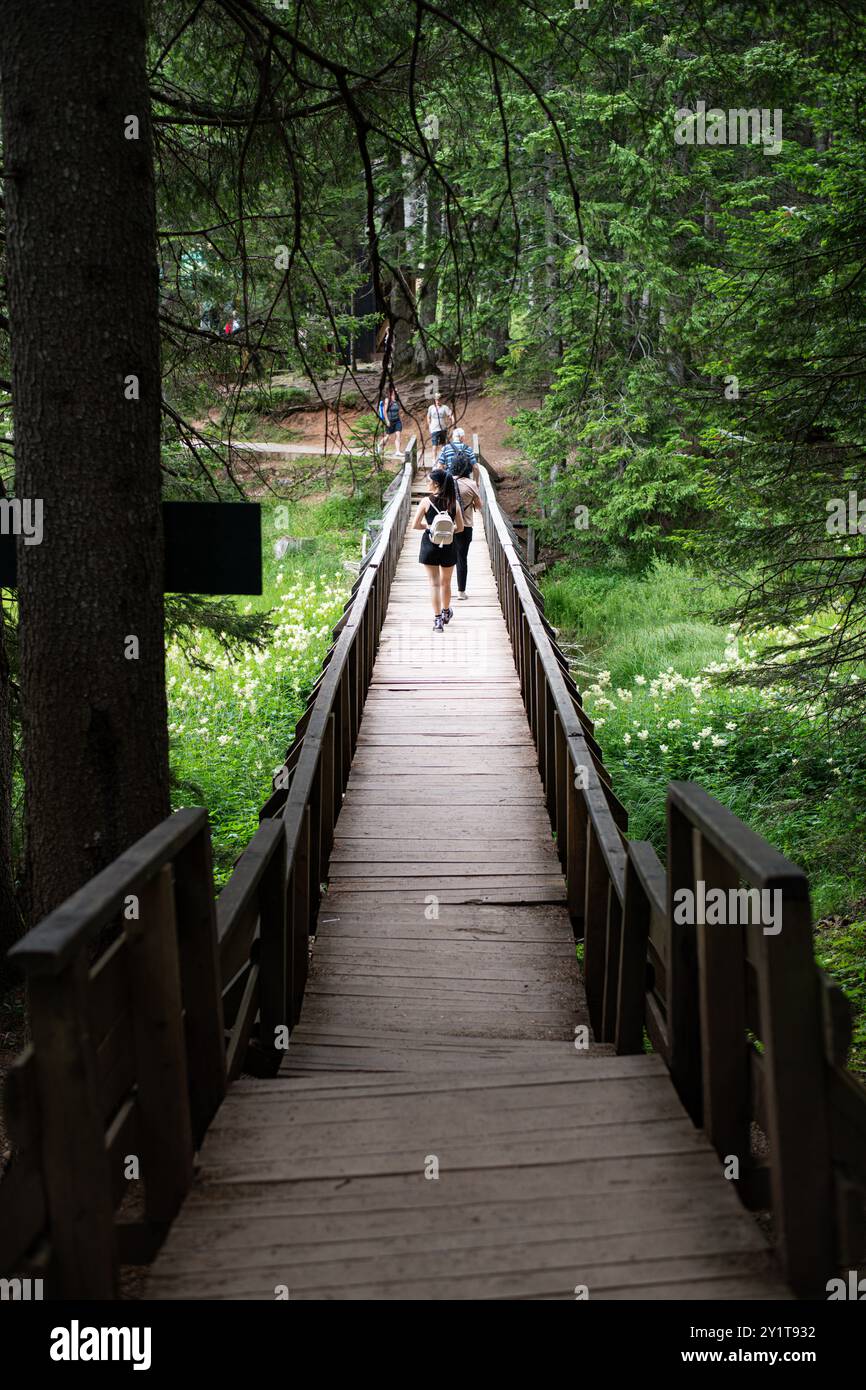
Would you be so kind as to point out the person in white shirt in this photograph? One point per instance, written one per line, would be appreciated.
(439, 417)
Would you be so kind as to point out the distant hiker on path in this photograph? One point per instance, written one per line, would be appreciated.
(440, 517)
(393, 422)
(439, 419)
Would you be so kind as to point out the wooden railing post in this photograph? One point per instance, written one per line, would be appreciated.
(314, 811)
(352, 665)
(300, 915)
(613, 943)
(683, 1004)
(200, 980)
(539, 732)
(274, 946)
(369, 617)
(636, 913)
(798, 1122)
(595, 930)
(576, 849)
(722, 994)
(346, 724)
(527, 666)
(547, 713)
(563, 777)
(162, 1096)
(75, 1167)
(329, 804)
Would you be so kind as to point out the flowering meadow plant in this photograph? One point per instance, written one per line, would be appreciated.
(230, 725)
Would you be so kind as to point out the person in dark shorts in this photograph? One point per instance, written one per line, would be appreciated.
(439, 560)
(393, 422)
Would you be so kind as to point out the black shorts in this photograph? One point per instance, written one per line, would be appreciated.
(394, 426)
(437, 437)
(430, 554)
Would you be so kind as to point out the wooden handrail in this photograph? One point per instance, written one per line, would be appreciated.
(704, 994)
(316, 767)
(588, 819)
(49, 946)
(302, 782)
(753, 857)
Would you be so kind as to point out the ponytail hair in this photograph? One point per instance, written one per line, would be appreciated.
(447, 490)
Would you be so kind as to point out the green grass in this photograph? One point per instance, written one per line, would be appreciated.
(641, 647)
(631, 626)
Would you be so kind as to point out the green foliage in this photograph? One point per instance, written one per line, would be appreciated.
(621, 485)
(703, 364)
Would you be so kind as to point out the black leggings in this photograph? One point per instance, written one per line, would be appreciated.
(463, 540)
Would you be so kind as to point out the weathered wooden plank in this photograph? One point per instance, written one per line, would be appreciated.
(406, 924)
(532, 1284)
(356, 823)
(377, 879)
(519, 1080)
(379, 900)
(654, 1178)
(588, 1214)
(472, 849)
(454, 1254)
(493, 1018)
(341, 966)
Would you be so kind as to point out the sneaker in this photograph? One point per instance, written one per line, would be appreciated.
(461, 596)
(438, 623)
(447, 614)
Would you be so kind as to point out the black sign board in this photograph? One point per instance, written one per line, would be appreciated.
(210, 548)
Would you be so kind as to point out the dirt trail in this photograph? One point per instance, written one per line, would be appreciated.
(329, 431)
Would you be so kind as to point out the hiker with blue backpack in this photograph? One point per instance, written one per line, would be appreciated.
(389, 414)
(456, 449)
(440, 517)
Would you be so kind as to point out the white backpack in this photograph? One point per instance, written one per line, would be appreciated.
(442, 528)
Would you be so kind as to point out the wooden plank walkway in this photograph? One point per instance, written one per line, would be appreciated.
(438, 1030)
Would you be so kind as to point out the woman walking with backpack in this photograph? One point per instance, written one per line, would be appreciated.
(440, 517)
(393, 421)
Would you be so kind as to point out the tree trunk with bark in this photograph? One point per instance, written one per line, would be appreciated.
(499, 333)
(83, 299)
(401, 297)
(424, 360)
(552, 284)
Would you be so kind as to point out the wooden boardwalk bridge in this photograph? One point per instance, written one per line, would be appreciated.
(436, 1104)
